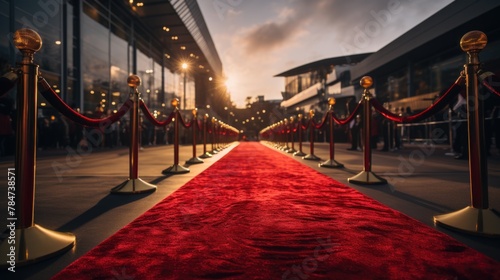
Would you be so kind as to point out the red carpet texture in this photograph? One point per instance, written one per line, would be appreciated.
(257, 214)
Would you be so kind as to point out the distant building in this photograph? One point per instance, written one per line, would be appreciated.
(308, 87)
(90, 47)
(256, 116)
(414, 68)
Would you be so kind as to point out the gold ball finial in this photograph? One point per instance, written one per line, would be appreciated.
(311, 113)
(331, 101)
(133, 81)
(175, 102)
(366, 82)
(292, 119)
(473, 41)
(26, 39)
(300, 116)
(195, 111)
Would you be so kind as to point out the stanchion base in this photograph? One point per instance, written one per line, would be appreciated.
(331, 163)
(133, 186)
(175, 169)
(213, 152)
(291, 151)
(367, 178)
(206, 155)
(34, 244)
(299, 154)
(311, 157)
(472, 220)
(194, 160)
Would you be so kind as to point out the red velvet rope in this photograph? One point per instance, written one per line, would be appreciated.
(304, 127)
(323, 121)
(350, 117)
(487, 79)
(54, 99)
(442, 102)
(186, 125)
(151, 118)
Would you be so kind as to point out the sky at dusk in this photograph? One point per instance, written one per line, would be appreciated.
(257, 39)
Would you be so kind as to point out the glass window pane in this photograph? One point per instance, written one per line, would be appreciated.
(95, 66)
(4, 31)
(119, 72)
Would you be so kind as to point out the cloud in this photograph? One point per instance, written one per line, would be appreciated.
(259, 39)
(269, 36)
(293, 20)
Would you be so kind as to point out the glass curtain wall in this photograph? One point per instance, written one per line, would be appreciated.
(91, 53)
(170, 89)
(190, 93)
(46, 20)
(95, 53)
(5, 62)
(120, 63)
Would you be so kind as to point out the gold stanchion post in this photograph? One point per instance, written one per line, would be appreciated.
(176, 168)
(299, 153)
(477, 218)
(331, 163)
(367, 177)
(283, 142)
(214, 132)
(27, 242)
(205, 153)
(134, 184)
(194, 159)
(279, 135)
(311, 155)
(220, 141)
(292, 149)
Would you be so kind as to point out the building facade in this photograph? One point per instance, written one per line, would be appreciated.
(90, 47)
(415, 68)
(308, 87)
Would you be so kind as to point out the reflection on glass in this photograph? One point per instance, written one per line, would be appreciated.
(95, 66)
(4, 31)
(48, 27)
(119, 72)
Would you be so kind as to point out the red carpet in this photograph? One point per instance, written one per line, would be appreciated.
(257, 214)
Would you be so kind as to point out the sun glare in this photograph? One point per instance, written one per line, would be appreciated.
(231, 84)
